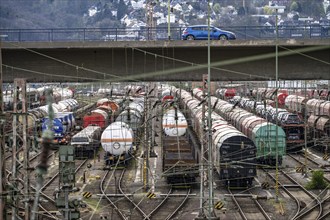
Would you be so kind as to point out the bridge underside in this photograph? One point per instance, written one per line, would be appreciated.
(164, 61)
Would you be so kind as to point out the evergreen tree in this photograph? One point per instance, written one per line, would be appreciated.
(122, 9)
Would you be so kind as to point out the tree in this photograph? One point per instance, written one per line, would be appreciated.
(122, 9)
(295, 7)
(241, 11)
(217, 8)
(328, 9)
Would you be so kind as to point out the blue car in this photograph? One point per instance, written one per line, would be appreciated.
(200, 32)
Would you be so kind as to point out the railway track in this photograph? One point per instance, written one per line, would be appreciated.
(135, 206)
(311, 162)
(127, 208)
(249, 209)
(104, 189)
(326, 208)
(308, 205)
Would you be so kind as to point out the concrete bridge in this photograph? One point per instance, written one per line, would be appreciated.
(165, 60)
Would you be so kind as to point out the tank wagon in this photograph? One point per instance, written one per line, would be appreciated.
(101, 116)
(119, 137)
(234, 154)
(262, 132)
(133, 114)
(174, 122)
(63, 123)
(37, 115)
(86, 142)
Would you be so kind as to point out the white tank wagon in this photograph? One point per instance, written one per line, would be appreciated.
(174, 123)
(117, 141)
(132, 115)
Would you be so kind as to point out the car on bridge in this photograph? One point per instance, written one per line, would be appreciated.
(200, 32)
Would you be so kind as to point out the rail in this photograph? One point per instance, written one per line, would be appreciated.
(103, 190)
(155, 34)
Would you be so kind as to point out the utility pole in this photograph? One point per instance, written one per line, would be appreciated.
(20, 136)
(169, 19)
(146, 144)
(2, 147)
(150, 19)
(276, 100)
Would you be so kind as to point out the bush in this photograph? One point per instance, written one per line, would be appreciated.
(317, 181)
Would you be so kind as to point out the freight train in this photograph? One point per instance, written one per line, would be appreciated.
(36, 97)
(291, 124)
(269, 139)
(311, 106)
(94, 122)
(317, 113)
(119, 137)
(87, 142)
(234, 154)
(179, 144)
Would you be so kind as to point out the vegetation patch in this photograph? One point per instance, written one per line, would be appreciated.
(317, 181)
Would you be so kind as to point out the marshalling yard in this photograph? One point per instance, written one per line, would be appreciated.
(166, 150)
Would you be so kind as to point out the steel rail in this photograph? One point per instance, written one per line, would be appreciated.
(179, 206)
(131, 201)
(287, 192)
(263, 211)
(160, 204)
(122, 216)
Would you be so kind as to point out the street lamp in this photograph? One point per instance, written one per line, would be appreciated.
(276, 99)
(305, 20)
(169, 19)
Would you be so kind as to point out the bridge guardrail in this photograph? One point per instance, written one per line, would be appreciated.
(143, 34)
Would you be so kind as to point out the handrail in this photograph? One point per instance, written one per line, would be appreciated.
(159, 33)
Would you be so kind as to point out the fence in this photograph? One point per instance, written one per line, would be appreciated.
(146, 34)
